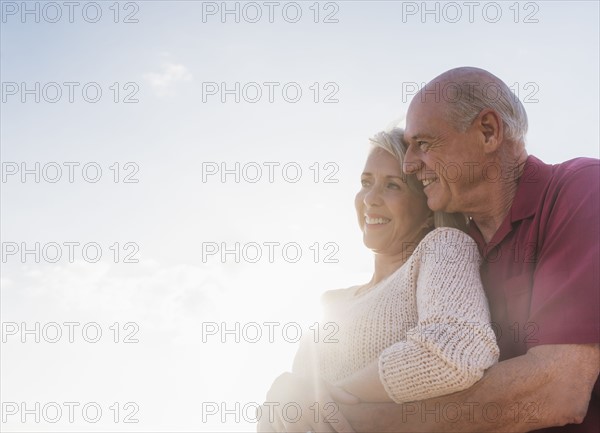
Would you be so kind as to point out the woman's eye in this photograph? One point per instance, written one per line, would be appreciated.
(364, 182)
(393, 185)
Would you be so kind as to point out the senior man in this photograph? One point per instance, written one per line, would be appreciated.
(537, 227)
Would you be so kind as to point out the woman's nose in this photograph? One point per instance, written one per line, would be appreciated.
(373, 196)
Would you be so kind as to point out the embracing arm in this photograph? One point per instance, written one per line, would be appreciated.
(366, 385)
(549, 386)
(449, 347)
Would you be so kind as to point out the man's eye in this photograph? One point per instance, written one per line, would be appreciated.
(364, 182)
(422, 144)
(393, 185)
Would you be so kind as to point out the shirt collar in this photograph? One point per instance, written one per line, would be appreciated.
(532, 182)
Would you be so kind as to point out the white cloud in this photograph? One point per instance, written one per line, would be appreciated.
(162, 297)
(164, 82)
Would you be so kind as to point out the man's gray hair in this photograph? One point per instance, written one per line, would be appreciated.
(467, 99)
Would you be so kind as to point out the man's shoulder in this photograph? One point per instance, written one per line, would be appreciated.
(446, 245)
(580, 167)
(566, 190)
(576, 165)
(555, 192)
(577, 173)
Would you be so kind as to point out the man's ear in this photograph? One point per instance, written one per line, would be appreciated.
(491, 127)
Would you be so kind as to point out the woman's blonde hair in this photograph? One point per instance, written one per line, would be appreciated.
(392, 141)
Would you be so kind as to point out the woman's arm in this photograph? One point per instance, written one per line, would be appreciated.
(304, 361)
(318, 400)
(452, 343)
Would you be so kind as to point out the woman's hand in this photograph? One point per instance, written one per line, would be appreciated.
(297, 403)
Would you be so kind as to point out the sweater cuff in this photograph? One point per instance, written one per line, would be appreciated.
(407, 375)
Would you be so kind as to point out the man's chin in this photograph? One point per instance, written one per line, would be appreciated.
(435, 205)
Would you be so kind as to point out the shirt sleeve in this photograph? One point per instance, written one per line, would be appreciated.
(452, 343)
(565, 301)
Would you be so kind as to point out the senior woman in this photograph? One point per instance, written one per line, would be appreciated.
(418, 329)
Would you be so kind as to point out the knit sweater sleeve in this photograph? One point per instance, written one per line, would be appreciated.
(452, 343)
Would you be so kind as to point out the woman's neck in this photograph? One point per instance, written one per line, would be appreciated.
(387, 264)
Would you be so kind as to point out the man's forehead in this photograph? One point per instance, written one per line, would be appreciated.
(434, 93)
(421, 112)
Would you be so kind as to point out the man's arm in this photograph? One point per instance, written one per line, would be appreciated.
(366, 384)
(549, 386)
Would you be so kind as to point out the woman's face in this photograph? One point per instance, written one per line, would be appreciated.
(390, 214)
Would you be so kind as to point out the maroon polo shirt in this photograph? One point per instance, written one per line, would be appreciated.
(541, 268)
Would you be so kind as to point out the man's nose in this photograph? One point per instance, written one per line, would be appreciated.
(412, 162)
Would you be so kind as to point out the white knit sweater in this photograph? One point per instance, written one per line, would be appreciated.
(427, 323)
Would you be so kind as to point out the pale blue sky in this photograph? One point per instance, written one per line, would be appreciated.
(168, 54)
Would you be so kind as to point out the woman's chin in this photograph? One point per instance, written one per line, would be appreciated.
(375, 245)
